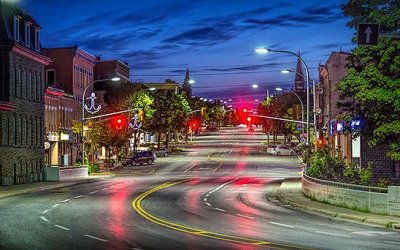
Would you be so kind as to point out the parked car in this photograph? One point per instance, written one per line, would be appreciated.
(139, 157)
(283, 150)
(271, 149)
(160, 152)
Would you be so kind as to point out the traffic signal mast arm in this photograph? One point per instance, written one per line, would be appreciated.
(113, 113)
(280, 119)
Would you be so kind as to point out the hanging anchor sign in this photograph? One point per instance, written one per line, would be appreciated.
(135, 125)
(92, 109)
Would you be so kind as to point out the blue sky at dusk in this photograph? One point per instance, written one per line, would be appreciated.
(215, 39)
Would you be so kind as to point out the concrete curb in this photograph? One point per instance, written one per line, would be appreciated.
(59, 185)
(354, 218)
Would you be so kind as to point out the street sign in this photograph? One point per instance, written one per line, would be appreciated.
(368, 34)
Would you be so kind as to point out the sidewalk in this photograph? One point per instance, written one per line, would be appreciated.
(290, 192)
(8, 191)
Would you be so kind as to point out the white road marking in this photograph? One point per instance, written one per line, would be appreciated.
(66, 200)
(205, 199)
(190, 167)
(45, 211)
(245, 216)
(152, 171)
(282, 225)
(93, 192)
(79, 196)
(207, 195)
(372, 233)
(65, 228)
(219, 209)
(223, 185)
(392, 242)
(44, 218)
(333, 234)
(103, 188)
(56, 205)
(230, 151)
(96, 238)
(208, 204)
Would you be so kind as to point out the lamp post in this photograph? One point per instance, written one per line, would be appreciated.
(91, 108)
(266, 50)
(301, 102)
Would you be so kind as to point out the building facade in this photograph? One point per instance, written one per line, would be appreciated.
(22, 67)
(71, 70)
(59, 108)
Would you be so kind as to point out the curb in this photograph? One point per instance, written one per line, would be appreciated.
(357, 219)
(59, 185)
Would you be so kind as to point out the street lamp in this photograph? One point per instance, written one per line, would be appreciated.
(91, 108)
(191, 81)
(266, 50)
(301, 102)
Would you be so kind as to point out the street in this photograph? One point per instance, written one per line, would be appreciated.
(218, 194)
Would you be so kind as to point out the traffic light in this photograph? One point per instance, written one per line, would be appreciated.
(119, 122)
(249, 119)
(245, 110)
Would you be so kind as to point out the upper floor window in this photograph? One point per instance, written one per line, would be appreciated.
(37, 39)
(50, 77)
(16, 28)
(28, 34)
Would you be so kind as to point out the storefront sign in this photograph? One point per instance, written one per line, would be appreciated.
(339, 126)
(64, 136)
(355, 124)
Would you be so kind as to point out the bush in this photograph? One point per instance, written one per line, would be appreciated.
(94, 168)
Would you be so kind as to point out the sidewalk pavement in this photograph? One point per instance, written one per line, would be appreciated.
(290, 192)
(8, 191)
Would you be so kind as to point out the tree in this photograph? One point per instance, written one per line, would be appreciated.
(371, 89)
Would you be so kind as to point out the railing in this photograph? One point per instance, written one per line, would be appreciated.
(345, 185)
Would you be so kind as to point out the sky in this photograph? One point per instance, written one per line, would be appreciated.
(214, 39)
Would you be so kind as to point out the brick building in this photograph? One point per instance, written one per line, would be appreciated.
(22, 66)
(354, 150)
(59, 108)
(71, 70)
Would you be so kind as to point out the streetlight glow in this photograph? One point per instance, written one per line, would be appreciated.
(191, 81)
(254, 86)
(152, 89)
(285, 71)
(116, 79)
(279, 89)
(262, 50)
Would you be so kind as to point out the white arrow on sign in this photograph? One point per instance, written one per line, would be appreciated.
(368, 31)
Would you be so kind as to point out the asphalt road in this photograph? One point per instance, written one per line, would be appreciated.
(220, 194)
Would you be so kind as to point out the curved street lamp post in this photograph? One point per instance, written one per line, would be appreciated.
(266, 50)
(92, 109)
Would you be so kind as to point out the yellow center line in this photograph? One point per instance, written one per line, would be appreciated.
(136, 204)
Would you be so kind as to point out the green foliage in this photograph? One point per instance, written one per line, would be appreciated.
(94, 168)
(371, 88)
(333, 168)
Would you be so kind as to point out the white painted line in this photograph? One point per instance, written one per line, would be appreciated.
(282, 225)
(152, 171)
(44, 218)
(45, 211)
(190, 167)
(66, 200)
(245, 216)
(333, 234)
(392, 242)
(207, 195)
(230, 151)
(93, 192)
(96, 238)
(208, 204)
(67, 229)
(205, 199)
(79, 196)
(223, 185)
(219, 209)
(103, 188)
(56, 205)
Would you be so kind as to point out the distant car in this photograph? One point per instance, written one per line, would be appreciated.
(271, 149)
(283, 150)
(139, 157)
(241, 126)
(160, 152)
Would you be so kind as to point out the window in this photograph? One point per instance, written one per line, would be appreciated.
(37, 39)
(16, 28)
(27, 34)
(51, 77)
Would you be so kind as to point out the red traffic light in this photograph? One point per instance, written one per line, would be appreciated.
(245, 110)
(119, 122)
(249, 119)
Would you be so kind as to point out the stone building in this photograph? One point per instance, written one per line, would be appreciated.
(22, 65)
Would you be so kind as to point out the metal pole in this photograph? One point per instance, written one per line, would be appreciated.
(315, 113)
